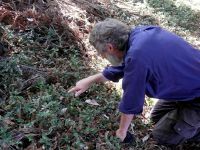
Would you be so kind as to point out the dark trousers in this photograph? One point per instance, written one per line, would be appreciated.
(176, 122)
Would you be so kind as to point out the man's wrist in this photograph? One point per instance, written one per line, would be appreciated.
(121, 130)
(125, 121)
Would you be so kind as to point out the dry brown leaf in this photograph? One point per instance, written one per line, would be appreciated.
(144, 139)
(64, 110)
(9, 122)
(92, 102)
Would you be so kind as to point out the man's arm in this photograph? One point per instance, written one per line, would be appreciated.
(112, 73)
(97, 78)
(125, 122)
(84, 84)
(134, 84)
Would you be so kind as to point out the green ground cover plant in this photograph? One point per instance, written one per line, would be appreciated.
(43, 112)
(182, 15)
(42, 56)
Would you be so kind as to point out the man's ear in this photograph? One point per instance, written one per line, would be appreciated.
(110, 47)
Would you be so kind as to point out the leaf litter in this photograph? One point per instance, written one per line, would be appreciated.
(41, 43)
(92, 102)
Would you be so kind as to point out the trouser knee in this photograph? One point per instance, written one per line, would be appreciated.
(173, 130)
(164, 132)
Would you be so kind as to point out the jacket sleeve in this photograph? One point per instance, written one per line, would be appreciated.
(114, 73)
(134, 83)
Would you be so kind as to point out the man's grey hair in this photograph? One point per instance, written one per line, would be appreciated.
(110, 31)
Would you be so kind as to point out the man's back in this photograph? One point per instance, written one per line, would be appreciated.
(173, 64)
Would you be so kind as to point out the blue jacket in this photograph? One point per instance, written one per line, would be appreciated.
(159, 64)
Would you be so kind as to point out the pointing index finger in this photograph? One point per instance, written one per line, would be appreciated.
(73, 89)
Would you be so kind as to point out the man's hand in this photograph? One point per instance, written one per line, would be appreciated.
(121, 134)
(81, 86)
(125, 136)
(84, 84)
(124, 124)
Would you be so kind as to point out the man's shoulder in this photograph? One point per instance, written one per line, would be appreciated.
(141, 28)
(142, 34)
(141, 40)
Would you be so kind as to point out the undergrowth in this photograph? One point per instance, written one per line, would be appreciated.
(44, 113)
(42, 61)
(182, 15)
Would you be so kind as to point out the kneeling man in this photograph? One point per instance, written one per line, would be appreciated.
(154, 62)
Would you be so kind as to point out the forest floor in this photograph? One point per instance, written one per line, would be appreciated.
(44, 50)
